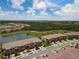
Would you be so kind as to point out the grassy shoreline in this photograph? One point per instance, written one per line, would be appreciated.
(35, 33)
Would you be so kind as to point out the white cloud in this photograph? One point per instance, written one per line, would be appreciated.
(42, 6)
(17, 17)
(3, 13)
(67, 9)
(43, 13)
(16, 12)
(17, 4)
(76, 1)
(8, 0)
(70, 11)
(0, 8)
(37, 18)
(31, 11)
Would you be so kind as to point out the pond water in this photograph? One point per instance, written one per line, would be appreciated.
(14, 37)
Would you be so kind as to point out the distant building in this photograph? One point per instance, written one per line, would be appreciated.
(33, 42)
(13, 27)
(73, 35)
(54, 37)
(21, 45)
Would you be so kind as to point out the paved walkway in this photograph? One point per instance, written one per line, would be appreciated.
(49, 49)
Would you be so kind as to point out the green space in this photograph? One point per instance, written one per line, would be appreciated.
(35, 33)
(39, 28)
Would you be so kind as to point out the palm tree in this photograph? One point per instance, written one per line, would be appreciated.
(28, 50)
(77, 45)
(46, 43)
(2, 53)
(36, 47)
(70, 37)
(40, 37)
(65, 38)
(17, 52)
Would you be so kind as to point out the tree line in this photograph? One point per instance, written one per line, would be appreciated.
(45, 26)
(48, 25)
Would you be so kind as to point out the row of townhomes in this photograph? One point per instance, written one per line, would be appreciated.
(12, 27)
(33, 42)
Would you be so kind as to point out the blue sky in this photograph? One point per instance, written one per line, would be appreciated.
(38, 9)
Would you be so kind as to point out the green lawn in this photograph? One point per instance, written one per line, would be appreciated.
(35, 33)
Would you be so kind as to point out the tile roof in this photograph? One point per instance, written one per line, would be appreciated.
(20, 43)
(53, 36)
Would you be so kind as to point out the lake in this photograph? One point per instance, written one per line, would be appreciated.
(14, 37)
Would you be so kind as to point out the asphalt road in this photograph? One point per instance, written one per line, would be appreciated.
(58, 46)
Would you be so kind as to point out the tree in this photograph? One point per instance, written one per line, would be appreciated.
(40, 37)
(46, 43)
(70, 37)
(28, 50)
(36, 47)
(65, 38)
(16, 52)
(77, 45)
(2, 53)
